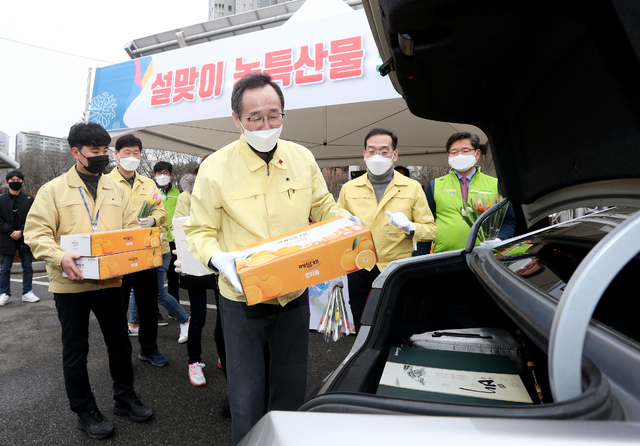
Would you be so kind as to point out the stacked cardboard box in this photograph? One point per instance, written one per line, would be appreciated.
(114, 253)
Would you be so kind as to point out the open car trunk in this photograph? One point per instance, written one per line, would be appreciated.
(459, 290)
(554, 86)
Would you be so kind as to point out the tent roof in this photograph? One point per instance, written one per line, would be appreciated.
(220, 28)
(6, 162)
(333, 128)
(335, 137)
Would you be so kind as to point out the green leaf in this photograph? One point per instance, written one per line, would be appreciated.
(355, 243)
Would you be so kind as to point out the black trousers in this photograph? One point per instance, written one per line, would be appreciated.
(256, 383)
(218, 336)
(198, 303)
(359, 283)
(145, 291)
(173, 278)
(73, 312)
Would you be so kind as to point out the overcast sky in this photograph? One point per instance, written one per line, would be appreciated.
(42, 79)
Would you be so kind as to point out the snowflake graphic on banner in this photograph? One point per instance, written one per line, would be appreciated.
(102, 109)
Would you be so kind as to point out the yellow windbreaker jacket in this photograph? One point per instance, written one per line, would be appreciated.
(238, 200)
(59, 209)
(137, 193)
(183, 205)
(402, 195)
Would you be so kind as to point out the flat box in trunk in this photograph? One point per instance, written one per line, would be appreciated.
(451, 377)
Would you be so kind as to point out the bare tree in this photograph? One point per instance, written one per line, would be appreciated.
(425, 174)
(182, 163)
(40, 167)
(335, 177)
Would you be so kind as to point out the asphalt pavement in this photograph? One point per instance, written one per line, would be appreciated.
(33, 405)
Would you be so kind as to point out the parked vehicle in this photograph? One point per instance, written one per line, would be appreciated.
(554, 86)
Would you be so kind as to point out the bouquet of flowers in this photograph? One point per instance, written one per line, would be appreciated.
(476, 206)
(151, 201)
(334, 322)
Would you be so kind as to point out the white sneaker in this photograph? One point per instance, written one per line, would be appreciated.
(30, 297)
(133, 331)
(184, 333)
(4, 298)
(195, 374)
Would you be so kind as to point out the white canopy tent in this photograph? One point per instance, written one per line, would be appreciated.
(6, 162)
(327, 66)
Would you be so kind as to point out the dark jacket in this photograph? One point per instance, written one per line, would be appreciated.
(8, 245)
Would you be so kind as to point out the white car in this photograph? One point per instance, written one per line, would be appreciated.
(555, 85)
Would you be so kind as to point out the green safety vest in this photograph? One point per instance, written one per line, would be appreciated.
(452, 229)
(169, 201)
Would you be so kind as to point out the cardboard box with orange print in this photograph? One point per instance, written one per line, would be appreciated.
(305, 257)
(113, 265)
(110, 242)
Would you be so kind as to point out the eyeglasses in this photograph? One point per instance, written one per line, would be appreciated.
(273, 119)
(382, 152)
(465, 151)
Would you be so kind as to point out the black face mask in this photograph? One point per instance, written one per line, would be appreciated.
(96, 164)
(15, 185)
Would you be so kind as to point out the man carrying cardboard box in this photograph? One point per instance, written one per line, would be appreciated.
(256, 188)
(147, 285)
(82, 201)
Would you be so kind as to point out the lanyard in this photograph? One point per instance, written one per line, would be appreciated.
(94, 224)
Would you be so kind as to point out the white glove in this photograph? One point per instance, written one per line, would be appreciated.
(336, 282)
(490, 243)
(147, 222)
(225, 263)
(354, 219)
(177, 265)
(401, 221)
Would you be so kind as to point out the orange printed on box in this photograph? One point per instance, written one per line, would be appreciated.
(113, 265)
(110, 242)
(305, 257)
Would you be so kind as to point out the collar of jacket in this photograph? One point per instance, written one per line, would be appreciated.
(121, 178)
(453, 172)
(74, 180)
(254, 162)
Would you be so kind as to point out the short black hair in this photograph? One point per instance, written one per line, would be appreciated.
(162, 165)
(249, 82)
(197, 168)
(14, 173)
(88, 134)
(403, 170)
(475, 139)
(128, 140)
(374, 132)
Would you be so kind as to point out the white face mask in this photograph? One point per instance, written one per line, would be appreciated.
(130, 163)
(262, 140)
(462, 163)
(378, 164)
(163, 180)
